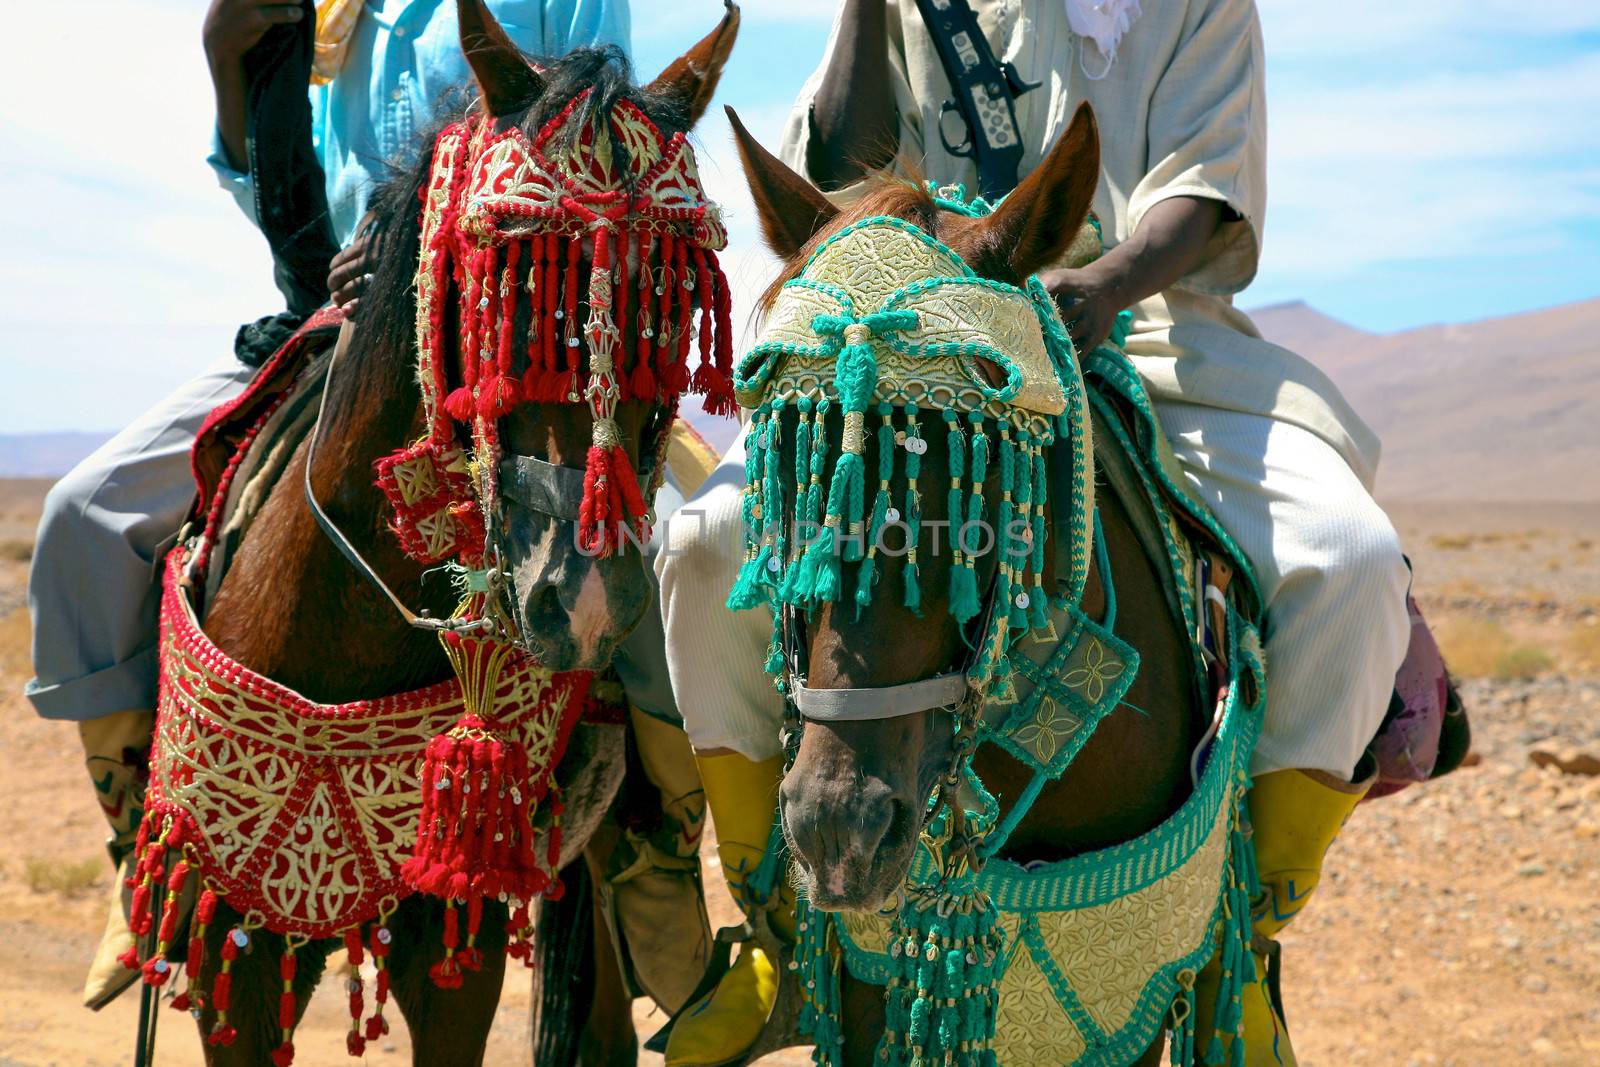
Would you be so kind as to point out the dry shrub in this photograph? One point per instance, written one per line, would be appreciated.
(1451, 542)
(1475, 648)
(16, 550)
(16, 644)
(65, 879)
(1583, 646)
(1522, 661)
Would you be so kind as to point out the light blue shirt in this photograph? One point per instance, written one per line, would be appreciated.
(404, 59)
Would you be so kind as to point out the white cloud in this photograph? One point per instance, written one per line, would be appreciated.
(1431, 158)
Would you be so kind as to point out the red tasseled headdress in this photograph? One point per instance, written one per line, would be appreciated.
(505, 223)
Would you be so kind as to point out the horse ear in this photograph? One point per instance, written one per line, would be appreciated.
(505, 77)
(692, 78)
(792, 210)
(1036, 224)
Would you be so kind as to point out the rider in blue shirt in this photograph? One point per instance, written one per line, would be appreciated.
(403, 59)
(93, 590)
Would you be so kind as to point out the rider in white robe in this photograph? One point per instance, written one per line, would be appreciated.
(1265, 439)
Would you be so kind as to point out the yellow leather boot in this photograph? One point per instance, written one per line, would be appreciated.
(116, 750)
(722, 1025)
(1294, 817)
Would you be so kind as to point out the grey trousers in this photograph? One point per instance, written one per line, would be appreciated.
(94, 590)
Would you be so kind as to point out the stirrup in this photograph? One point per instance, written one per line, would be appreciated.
(717, 968)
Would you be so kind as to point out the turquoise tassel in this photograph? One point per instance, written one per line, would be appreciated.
(1036, 605)
(803, 480)
(772, 500)
(746, 592)
(880, 507)
(913, 520)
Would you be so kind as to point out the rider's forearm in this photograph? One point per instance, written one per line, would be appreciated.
(227, 77)
(1168, 244)
(854, 116)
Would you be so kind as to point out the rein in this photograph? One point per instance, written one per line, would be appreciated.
(545, 488)
(422, 620)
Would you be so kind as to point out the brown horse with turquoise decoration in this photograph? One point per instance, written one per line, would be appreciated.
(1017, 759)
(549, 287)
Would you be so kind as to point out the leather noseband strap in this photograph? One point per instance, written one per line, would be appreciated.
(547, 488)
(879, 702)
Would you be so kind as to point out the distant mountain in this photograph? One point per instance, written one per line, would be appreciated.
(1497, 410)
(45, 455)
(1301, 328)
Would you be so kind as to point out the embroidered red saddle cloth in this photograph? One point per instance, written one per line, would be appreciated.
(300, 814)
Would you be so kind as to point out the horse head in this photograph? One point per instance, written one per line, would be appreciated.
(567, 250)
(879, 600)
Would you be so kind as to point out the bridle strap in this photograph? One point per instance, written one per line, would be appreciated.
(549, 488)
(879, 702)
(420, 619)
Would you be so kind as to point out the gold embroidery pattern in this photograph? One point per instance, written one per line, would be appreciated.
(931, 365)
(1106, 954)
(306, 812)
(1096, 669)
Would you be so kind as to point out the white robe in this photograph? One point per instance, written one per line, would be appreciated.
(1263, 437)
(1182, 112)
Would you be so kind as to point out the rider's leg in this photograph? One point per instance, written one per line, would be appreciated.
(93, 596)
(92, 590)
(1329, 565)
(732, 715)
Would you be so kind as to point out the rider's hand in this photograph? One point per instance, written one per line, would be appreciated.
(233, 27)
(350, 271)
(1088, 301)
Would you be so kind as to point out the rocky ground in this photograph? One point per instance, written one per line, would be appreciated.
(1459, 923)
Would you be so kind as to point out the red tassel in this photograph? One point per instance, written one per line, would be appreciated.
(446, 974)
(500, 391)
(552, 303)
(377, 1026)
(665, 283)
(569, 304)
(283, 1055)
(644, 345)
(464, 774)
(462, 403)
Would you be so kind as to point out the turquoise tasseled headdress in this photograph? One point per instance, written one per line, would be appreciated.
(884, 321)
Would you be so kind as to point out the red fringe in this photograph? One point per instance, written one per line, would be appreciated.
(611, 498)
(500, 391)
(644, 341)
(377, 1026)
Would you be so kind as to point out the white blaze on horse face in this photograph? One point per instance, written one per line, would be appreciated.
(835, 881)
(591, 614)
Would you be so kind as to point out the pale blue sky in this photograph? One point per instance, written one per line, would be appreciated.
(1430, 161)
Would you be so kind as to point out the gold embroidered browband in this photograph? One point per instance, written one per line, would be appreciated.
(931, 337)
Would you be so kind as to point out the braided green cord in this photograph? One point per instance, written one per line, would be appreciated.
(772, 497)
(1036, 607)
(1012, 549)
(913, 515)
(963, 579)
(796, 582)
(758, 547)
(880, 506)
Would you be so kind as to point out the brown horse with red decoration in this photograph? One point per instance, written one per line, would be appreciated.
(333, 766)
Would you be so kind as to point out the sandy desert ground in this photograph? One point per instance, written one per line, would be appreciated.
(1459, 924)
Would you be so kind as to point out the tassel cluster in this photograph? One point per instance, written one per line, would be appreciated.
(475, 836)
(945, 958)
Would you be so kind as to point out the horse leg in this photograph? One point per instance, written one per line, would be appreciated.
(449, 1027)
(862, 1019)
(256, 990)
